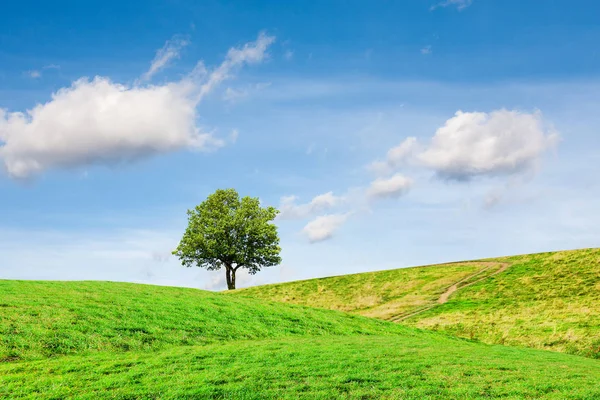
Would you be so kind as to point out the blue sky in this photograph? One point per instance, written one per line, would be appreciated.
(390, 134)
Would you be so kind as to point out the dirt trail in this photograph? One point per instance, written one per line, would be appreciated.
(446, 295)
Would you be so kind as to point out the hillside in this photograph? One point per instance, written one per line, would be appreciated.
(40, 319)
(89, 340)
(549, 301)
(417, 366)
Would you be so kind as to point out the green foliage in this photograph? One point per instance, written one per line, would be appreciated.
(226, 231)
(420, 366)
(45, 319)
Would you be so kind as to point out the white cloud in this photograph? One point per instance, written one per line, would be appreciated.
(36, 73)
(502, 142)
(233, 95)
(250, 53)
(393, 187)
(99, 121)
(459, 4)
(168, 52)
(233, 136)
(288, 55)
(395, 157)
(323, 227)
(290, 210)
(426, 50)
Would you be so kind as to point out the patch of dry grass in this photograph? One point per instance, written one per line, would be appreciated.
(381, 294)
(548, 301)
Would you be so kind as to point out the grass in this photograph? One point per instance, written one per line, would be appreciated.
(95, 340)
(420, 366)
(44, 319)
(547, 301)
(382, 294)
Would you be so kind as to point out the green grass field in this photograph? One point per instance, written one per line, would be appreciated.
(547, 301)
(416, 365)
(90, 340)
(45, 319)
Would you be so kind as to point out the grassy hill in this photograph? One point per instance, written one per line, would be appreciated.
(43, 319)
(90, 340)
(417, 366)
(549, 301)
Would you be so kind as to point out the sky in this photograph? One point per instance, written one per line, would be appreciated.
(389, 133)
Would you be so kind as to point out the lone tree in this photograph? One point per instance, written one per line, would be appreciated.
(226, 231)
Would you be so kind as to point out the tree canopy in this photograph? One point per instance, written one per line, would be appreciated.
(226, 231)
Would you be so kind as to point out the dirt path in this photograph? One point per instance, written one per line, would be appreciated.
(446, 295)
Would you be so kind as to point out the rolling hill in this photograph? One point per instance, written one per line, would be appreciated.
(547, 301)
(44, 319)
(90, 340)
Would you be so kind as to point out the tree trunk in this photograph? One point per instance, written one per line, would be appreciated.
(230, 274)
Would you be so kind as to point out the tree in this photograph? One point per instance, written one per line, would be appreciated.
(226, 231)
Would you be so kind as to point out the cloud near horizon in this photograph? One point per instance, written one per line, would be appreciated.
(290, 210)
(392, 187)
(323, 227)
(98, 121)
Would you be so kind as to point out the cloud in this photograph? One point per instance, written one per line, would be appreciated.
(168, 52)
(392, 187)
(395, 157)
(233, 136)
(97, 121)
(36, 73)
(426, 50)
(250, 53)
(323, 227)
(290, 210)
(459, 4)
(502, 142)
(288, 55)
(233, 95)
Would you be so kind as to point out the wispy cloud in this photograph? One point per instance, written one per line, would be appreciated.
(37, 73)
(426, 50)
(168, 52)
(459, 4)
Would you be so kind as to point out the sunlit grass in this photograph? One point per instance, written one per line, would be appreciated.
(382, 294)
(412, 366)
(42, 319)
(548, 301)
